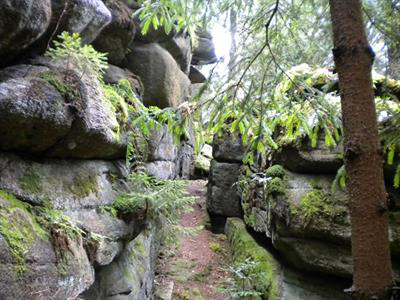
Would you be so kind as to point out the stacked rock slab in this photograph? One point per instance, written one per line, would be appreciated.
(222, 197)
(294, 205)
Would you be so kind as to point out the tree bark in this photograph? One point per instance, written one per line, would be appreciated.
(372, 277)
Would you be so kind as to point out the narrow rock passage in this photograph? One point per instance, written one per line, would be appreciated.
(194, 270)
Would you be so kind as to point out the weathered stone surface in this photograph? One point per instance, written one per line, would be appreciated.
(228, 147)
(162, 145)
(114, 74)
(33, 115)
(302, 158)
(196, 76)
(203, 49)
(38, 116)
(161, 169)
(185, 161)
(203, 161)
(308, 223)
(96, 132)
(131, 275)
(222, 197)
(87, 17)
(303, 207)
(101, 223)
(107, 251)
(315, 256)
(64, 184)
(165, 85)
(116, 37)
(23, 71)
(181, 50)
(40, 271)
(21, 24)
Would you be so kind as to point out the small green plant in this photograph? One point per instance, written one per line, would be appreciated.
(319, 204)
(244, 274)
(69, 48)
(160, 202)
(216, 247)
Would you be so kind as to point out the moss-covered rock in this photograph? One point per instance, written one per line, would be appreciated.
(245, 247)
(19, 228)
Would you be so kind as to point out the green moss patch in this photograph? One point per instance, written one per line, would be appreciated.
(276, 171)
(67, 84)
(19, 228)
(31, 182)
(83, 185)
(318, 205)
(266, 270)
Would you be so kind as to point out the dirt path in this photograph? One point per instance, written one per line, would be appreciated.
(194, 268)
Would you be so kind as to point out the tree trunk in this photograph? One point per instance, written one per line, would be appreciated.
(372, 278)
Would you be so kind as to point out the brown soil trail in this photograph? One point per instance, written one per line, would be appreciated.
(195, 266)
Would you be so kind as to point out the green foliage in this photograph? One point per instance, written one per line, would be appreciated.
(170, 14)
(276, 186)
(161, 202)
(69, 49)
(216, 247)
(276, 171)
(254, 268)
(244, 275)
(340, 179)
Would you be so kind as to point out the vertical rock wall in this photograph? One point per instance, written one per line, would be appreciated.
(63, 146)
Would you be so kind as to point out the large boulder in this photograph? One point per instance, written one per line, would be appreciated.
(203, 49)
(299, 156)
(37, 263)
(307, 221)
(116, 37)
(33, 115)
(180, 47)
(222, 197)
(21, 24)
(228, 147)
(86, 17)
(131, 275)
(57, 112)
(165, 85)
